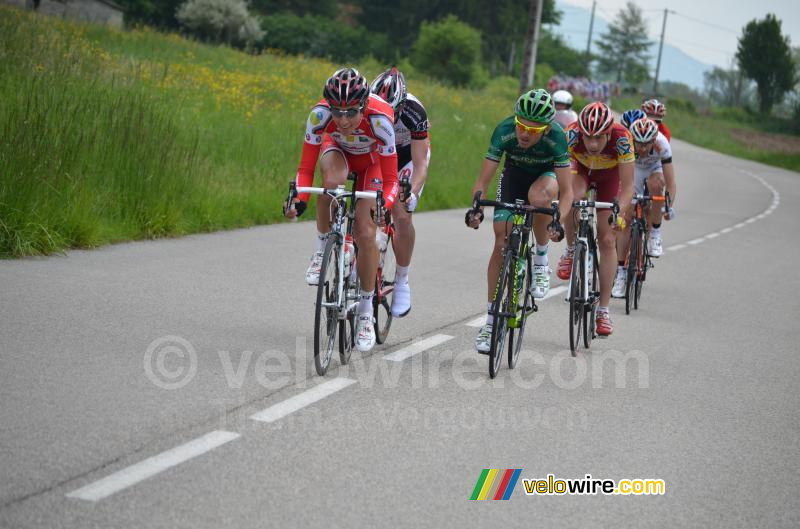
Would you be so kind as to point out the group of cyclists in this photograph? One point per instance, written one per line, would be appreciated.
(379, 131)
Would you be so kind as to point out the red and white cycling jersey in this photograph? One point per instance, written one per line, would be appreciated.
(373, 135)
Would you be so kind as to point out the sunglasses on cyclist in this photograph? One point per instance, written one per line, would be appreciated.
(346, 112)
(645, 145)
(530, 130)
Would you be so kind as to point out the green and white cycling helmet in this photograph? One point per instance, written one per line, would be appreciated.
(536, 105)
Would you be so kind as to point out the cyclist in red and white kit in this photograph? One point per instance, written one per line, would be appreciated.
(355, 132)
(565, 116)
(655, 110)
(413, 155)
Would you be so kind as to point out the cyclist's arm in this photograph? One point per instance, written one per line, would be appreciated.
(419, 159)
(487, 173)
(626, 187)
(383, 130)
(318, 119)
(669, 181)
(564, 179)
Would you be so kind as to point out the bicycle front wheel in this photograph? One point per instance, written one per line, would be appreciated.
(576, 297)
(592, 295)
(644, 263)
(326, 319)
(500, 308)
(632, 272)
(384, 285)
(527, 304)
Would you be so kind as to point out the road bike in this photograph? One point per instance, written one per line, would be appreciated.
(513, 298)
(638, 260)
(583, 293)
(338, 287)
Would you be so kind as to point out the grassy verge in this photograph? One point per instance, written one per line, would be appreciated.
(728, 132)
(112, 135)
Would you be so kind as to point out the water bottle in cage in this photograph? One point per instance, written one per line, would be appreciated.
(349, 254)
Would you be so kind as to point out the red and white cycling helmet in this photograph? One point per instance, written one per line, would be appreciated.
(644, 130)
(391, 87)
(654, 108)
(345, 88)
(595, 118)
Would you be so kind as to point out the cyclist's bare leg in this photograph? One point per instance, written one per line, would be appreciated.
(541, 194)
(655, 184)
(578, 192)
(364, 235)
(606, 247)
(496, 260)
(404, 234)
(334, 173)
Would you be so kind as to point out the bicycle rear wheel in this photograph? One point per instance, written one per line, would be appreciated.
(590, 310)
(576, 297)
(384, 283)
(632, 272)
(527, 303)
(644, 264)
(326, 319)
(500, 307)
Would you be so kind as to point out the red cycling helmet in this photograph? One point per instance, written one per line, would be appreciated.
(345, 88)
(654, 108)
(595, 118)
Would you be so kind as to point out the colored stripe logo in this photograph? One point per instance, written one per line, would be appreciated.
(496, 484)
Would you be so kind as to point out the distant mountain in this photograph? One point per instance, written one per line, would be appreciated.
(675, 64)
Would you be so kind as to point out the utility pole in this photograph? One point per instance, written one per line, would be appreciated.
(660, 47)
(589, 41)
(531, 43)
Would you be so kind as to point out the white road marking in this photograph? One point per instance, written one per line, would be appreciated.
(676, 247)
(151, 466)
(712, 235)
(418, 347)
(310, 396)
(695, 241)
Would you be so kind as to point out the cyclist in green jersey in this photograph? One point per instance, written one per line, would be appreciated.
(536, 170)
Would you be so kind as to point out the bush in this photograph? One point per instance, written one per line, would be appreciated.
(226, 21)
(318, 36)
(449, 50)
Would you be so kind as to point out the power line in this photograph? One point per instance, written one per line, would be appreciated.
(672, 40)
(721, 28)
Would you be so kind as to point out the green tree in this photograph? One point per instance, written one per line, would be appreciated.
(449, 50)
(226, 21)
(325, 8)
(624, 47)
(156, 13)
(765, 57)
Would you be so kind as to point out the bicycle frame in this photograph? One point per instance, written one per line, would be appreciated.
(341, 225)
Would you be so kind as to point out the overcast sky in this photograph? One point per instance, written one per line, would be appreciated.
(708, 30)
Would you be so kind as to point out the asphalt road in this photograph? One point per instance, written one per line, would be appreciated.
(698, 388)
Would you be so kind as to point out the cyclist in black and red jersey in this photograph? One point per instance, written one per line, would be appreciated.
(413, 155)
(355, 132)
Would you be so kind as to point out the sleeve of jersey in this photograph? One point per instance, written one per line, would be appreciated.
(318, 119)
(383, 129)
(560, 151)
(495, 151)
(624, 148)
(664, 149)
(419, 130)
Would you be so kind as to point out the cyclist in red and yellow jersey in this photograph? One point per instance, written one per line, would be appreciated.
(656, 111)
(355, 131)
(601, 153)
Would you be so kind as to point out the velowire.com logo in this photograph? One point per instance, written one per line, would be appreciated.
(496, 484)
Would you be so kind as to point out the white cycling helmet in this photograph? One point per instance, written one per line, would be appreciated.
(563, 97)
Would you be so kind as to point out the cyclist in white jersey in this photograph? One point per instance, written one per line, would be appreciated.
(654, 167)
(564, 113)
(413, 155)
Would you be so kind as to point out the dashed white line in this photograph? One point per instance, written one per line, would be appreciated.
(712, 235)
(310, 396)
(477, 322)
(726, 230)
(418, 347)
(151, 466)
(695, 241)
(676, 247)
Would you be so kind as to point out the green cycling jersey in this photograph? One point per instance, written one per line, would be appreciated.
(548, 153)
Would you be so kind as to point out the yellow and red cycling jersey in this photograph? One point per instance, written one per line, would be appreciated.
(619, 149)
